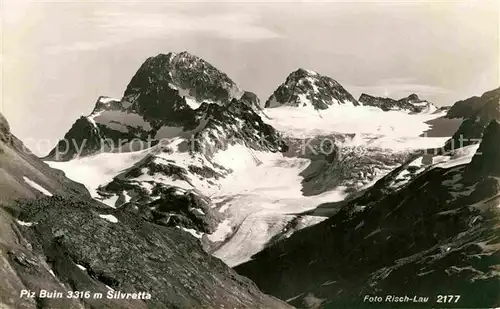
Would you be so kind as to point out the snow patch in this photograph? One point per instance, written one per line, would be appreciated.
(81, 267)
(119, 120)
(126, 197)
(23, 223)
(99, 169)
(460, 156)
(198, 210)
(222, 231)
(110, 201)
(193, 232)
(110, 218)
(36, 186)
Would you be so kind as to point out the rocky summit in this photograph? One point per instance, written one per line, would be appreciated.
(484, 107)
(308, 88)
(412, 103)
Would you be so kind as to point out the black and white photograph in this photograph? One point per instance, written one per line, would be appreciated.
(249, 154)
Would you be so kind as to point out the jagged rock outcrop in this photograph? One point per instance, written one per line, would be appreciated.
(308, 88)
(232, 124)
(412, 103)
(484, 107)
(251, 100)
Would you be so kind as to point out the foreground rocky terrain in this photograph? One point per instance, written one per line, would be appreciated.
(55, 237)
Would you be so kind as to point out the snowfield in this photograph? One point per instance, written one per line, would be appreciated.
(263, 192)
(95, 170)
(366, 121)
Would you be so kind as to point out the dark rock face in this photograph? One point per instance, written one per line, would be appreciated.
(183, 71)
(443, 109)
(436, 233)
(188, 210)
(251, 100)
(304, 88)
(411, 103)
(19, 167)
(484, 107)
(82, 133)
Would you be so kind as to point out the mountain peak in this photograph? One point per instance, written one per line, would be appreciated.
(189, 74)
(410, 103)
(413, 97)
(308, 88)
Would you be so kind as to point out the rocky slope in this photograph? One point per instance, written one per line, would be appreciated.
(423, 230)
(55, 237)
(412, 103)
(308, 88)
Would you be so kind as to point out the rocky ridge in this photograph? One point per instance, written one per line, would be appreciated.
(411, 103)
(307, 88)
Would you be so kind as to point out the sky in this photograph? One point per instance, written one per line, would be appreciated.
(58, 57)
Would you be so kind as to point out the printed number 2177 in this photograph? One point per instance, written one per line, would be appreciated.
(447, 299)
